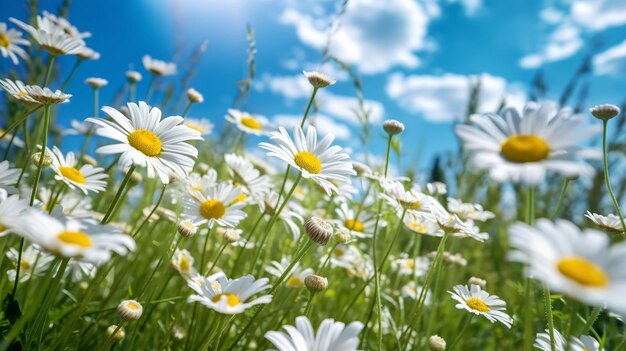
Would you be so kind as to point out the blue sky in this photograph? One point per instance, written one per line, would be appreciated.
(416, 58)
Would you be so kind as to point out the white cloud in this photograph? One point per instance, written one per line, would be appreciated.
(611, 61)
(324, 124)
(374, 35)
(445, 98)
(291, 86)
(574, 20)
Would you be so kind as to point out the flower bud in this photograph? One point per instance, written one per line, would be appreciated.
(194, 96)
(318, 80)
(96, 83)
(133, 76)
(318, 230)
(342, 236)
(231, 235)
(436, 343)
(477, 281)
(187, 229)
(47, 158)
(604, 112)
(315, 283)
(129, 310)
(393, 127)
(119, 334)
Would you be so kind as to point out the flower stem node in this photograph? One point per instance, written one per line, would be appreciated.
(393, 127)
(604, 112)
(315, 283)
(129, 310)
(436, 343)
(318, 230)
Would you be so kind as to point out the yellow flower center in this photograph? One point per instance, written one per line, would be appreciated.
(525, 148)
(72, 174)
(338, 252)
(25, 264)
(410, 204)
(212, 209)
(240, 198)
(4, 40)
(354, 224)
(2, 228)
(582, 271)
(184, 263)
(417, 226)
(231, 299)
(477, 304)
(295, 282)
(145, 141)
(410, 264)
(308, 161)
(132, 306)
(250, 122)
(75, 238)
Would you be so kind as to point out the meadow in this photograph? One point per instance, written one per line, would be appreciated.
(161, 232)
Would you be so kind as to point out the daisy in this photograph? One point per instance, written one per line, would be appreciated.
(422, 224)
(331, 336)
(8, 177)
(87, 178)
(229, 296)
(411, 266)
(522, 149)
(296, 276)
(68, 205)
(10, 41)
(202, 125)
(197, 182)
(244, 174)
(82, 239)
(78, 128)
(579, 263)
(146, 140)
(401, 199)
(467, 211)
(67, 27)
(326, 165)
(610, 223)
(453, 225)
(32, 95)
(257, 125)
(182, 263)
(51, 37)
(318, 79)
(11, 208)
(79, 270)
(158, 67)
(585, 343)
(96, 83)
(479, 302)
(413, 291)
(32, 263)
(292, 216)
(360, 225)
(86, 53)
(216, 205)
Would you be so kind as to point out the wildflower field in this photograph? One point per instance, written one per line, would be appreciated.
(157, 231)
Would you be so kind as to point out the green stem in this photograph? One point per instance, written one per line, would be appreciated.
(150, 89)
(18, 122)
(243, 247)
(186, 109)
(143, 223)
(308, 107)
(118, 195)
(460, 335)
(72, 73)
(388, 152)
(219, 254)
(132, 90)
(49, 70)
(309, 303)
(607, 179)
(549, 317)
(44, 145)
(110, 338)
(559, 203)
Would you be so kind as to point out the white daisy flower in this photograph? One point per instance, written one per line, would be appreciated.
(146, 140)
(80, 270)
(78, 128)
(296, 276)
(158, 67)
(247, 123)
(479, 302)
(245, 175)
(199, 182)
(292, 216)
(609, 223)
(585, 343)
(579, 263)
(86, 53)
(411, 266)
(6, 138)
(66, 26)
(11, 208)
(413, 291)
(401, 199)
(96, 83)
(33, 95)
(467, 211)
(51, 37)
(8, 177)
(523, 149)
(453, 225)
(360, 225)
(69, 205)
(437, 188)
(33, 263)
(87, 178)
(326, 165)
(216, 205)
(229, 296)
(10, 41)
(202, 125)
(182, 263)
(422, 224)
(82, 239)
(330, 336)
